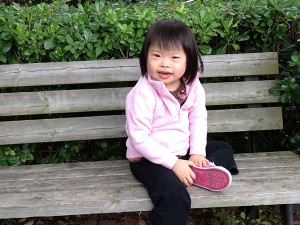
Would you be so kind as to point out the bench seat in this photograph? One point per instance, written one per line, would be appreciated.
(108, 187)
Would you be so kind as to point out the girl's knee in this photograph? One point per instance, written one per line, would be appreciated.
(178, 194)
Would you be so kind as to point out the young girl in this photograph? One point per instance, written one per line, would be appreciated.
(166, 123)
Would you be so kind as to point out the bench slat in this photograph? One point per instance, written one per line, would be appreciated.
(86, 128)
(79, 72)
(231, 93)
(245, 158)
(59, 179)
(50, 102)
(85, 179)
(241, 64)
(37, 74)
(245, 161)
(90, 201)
(65, 187)
(233, 120)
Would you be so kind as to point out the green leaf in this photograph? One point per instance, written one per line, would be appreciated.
(255, 21)
(89, 46)
(21, 28)
(140, 33)
(275, 90)
(69, 39)
(13, 160)
(68, 47)
(284, 98)
(222, 49)
(80, 7)
(10, 152)
(6, 36)
(23, 157)
(295, 139)
(236, 47)
(6, 46)
(266, 223)
(270, 23)
(205, 49)
(49, 43)
(87, 34)
(243, 215)
(30, 156)
(2, 58)
(284, 87)
(243, 37)
(99, 50)
(296, 58)
(3, 162)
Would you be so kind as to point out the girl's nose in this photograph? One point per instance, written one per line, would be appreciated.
(165, 63)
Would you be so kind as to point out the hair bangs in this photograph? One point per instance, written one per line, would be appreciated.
(168, 42)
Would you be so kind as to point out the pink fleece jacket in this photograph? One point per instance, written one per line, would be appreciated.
(158, 128)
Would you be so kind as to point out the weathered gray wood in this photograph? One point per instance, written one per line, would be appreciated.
(97, 127)
(79, 72)
(233, 120)
(108, 186)
(36, 180)
(83, 100)
(232, 93)
(240, 64)
(282, 158)
(94, 179)
(65, 101)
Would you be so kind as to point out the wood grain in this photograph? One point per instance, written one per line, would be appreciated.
(108, 186)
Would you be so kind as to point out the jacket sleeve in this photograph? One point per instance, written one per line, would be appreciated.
(198, 122)
(140, 105)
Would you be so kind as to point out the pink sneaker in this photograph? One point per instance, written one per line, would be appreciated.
(212, 177)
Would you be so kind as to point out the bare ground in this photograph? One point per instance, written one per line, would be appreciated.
(266, 215)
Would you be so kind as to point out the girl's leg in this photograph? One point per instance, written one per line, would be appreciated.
(172, 202)
(221, 153)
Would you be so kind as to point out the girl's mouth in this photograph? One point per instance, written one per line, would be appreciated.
(164, 75)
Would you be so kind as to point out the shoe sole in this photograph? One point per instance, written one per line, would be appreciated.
(215, 178)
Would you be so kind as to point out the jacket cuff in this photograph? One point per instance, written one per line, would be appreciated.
(170, 163)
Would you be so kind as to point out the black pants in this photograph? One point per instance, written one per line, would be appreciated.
(171, 200)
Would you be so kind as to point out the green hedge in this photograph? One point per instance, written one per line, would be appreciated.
(104, 30)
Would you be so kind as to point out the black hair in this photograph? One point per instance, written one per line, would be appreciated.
(168, 34)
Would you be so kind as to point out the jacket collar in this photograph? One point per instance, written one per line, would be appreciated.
(158, 85)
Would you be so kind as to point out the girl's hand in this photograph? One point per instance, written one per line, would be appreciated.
(183, 171)
(199, 160)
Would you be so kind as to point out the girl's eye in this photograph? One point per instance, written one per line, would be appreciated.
(155, 55)
(175, 57)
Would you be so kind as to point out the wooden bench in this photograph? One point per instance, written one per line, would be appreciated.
(83, 112)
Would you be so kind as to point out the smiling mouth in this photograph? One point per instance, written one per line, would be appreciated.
(164, 75)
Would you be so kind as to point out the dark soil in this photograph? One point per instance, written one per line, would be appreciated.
(265, 215)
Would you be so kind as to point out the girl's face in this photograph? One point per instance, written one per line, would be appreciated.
(167, 66)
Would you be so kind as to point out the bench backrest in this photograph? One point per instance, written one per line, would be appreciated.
(64, 101)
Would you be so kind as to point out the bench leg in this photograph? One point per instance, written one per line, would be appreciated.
(252, 142)
(287, 214)
(252, 212)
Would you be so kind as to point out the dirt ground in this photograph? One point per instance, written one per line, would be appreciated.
(198, 217)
